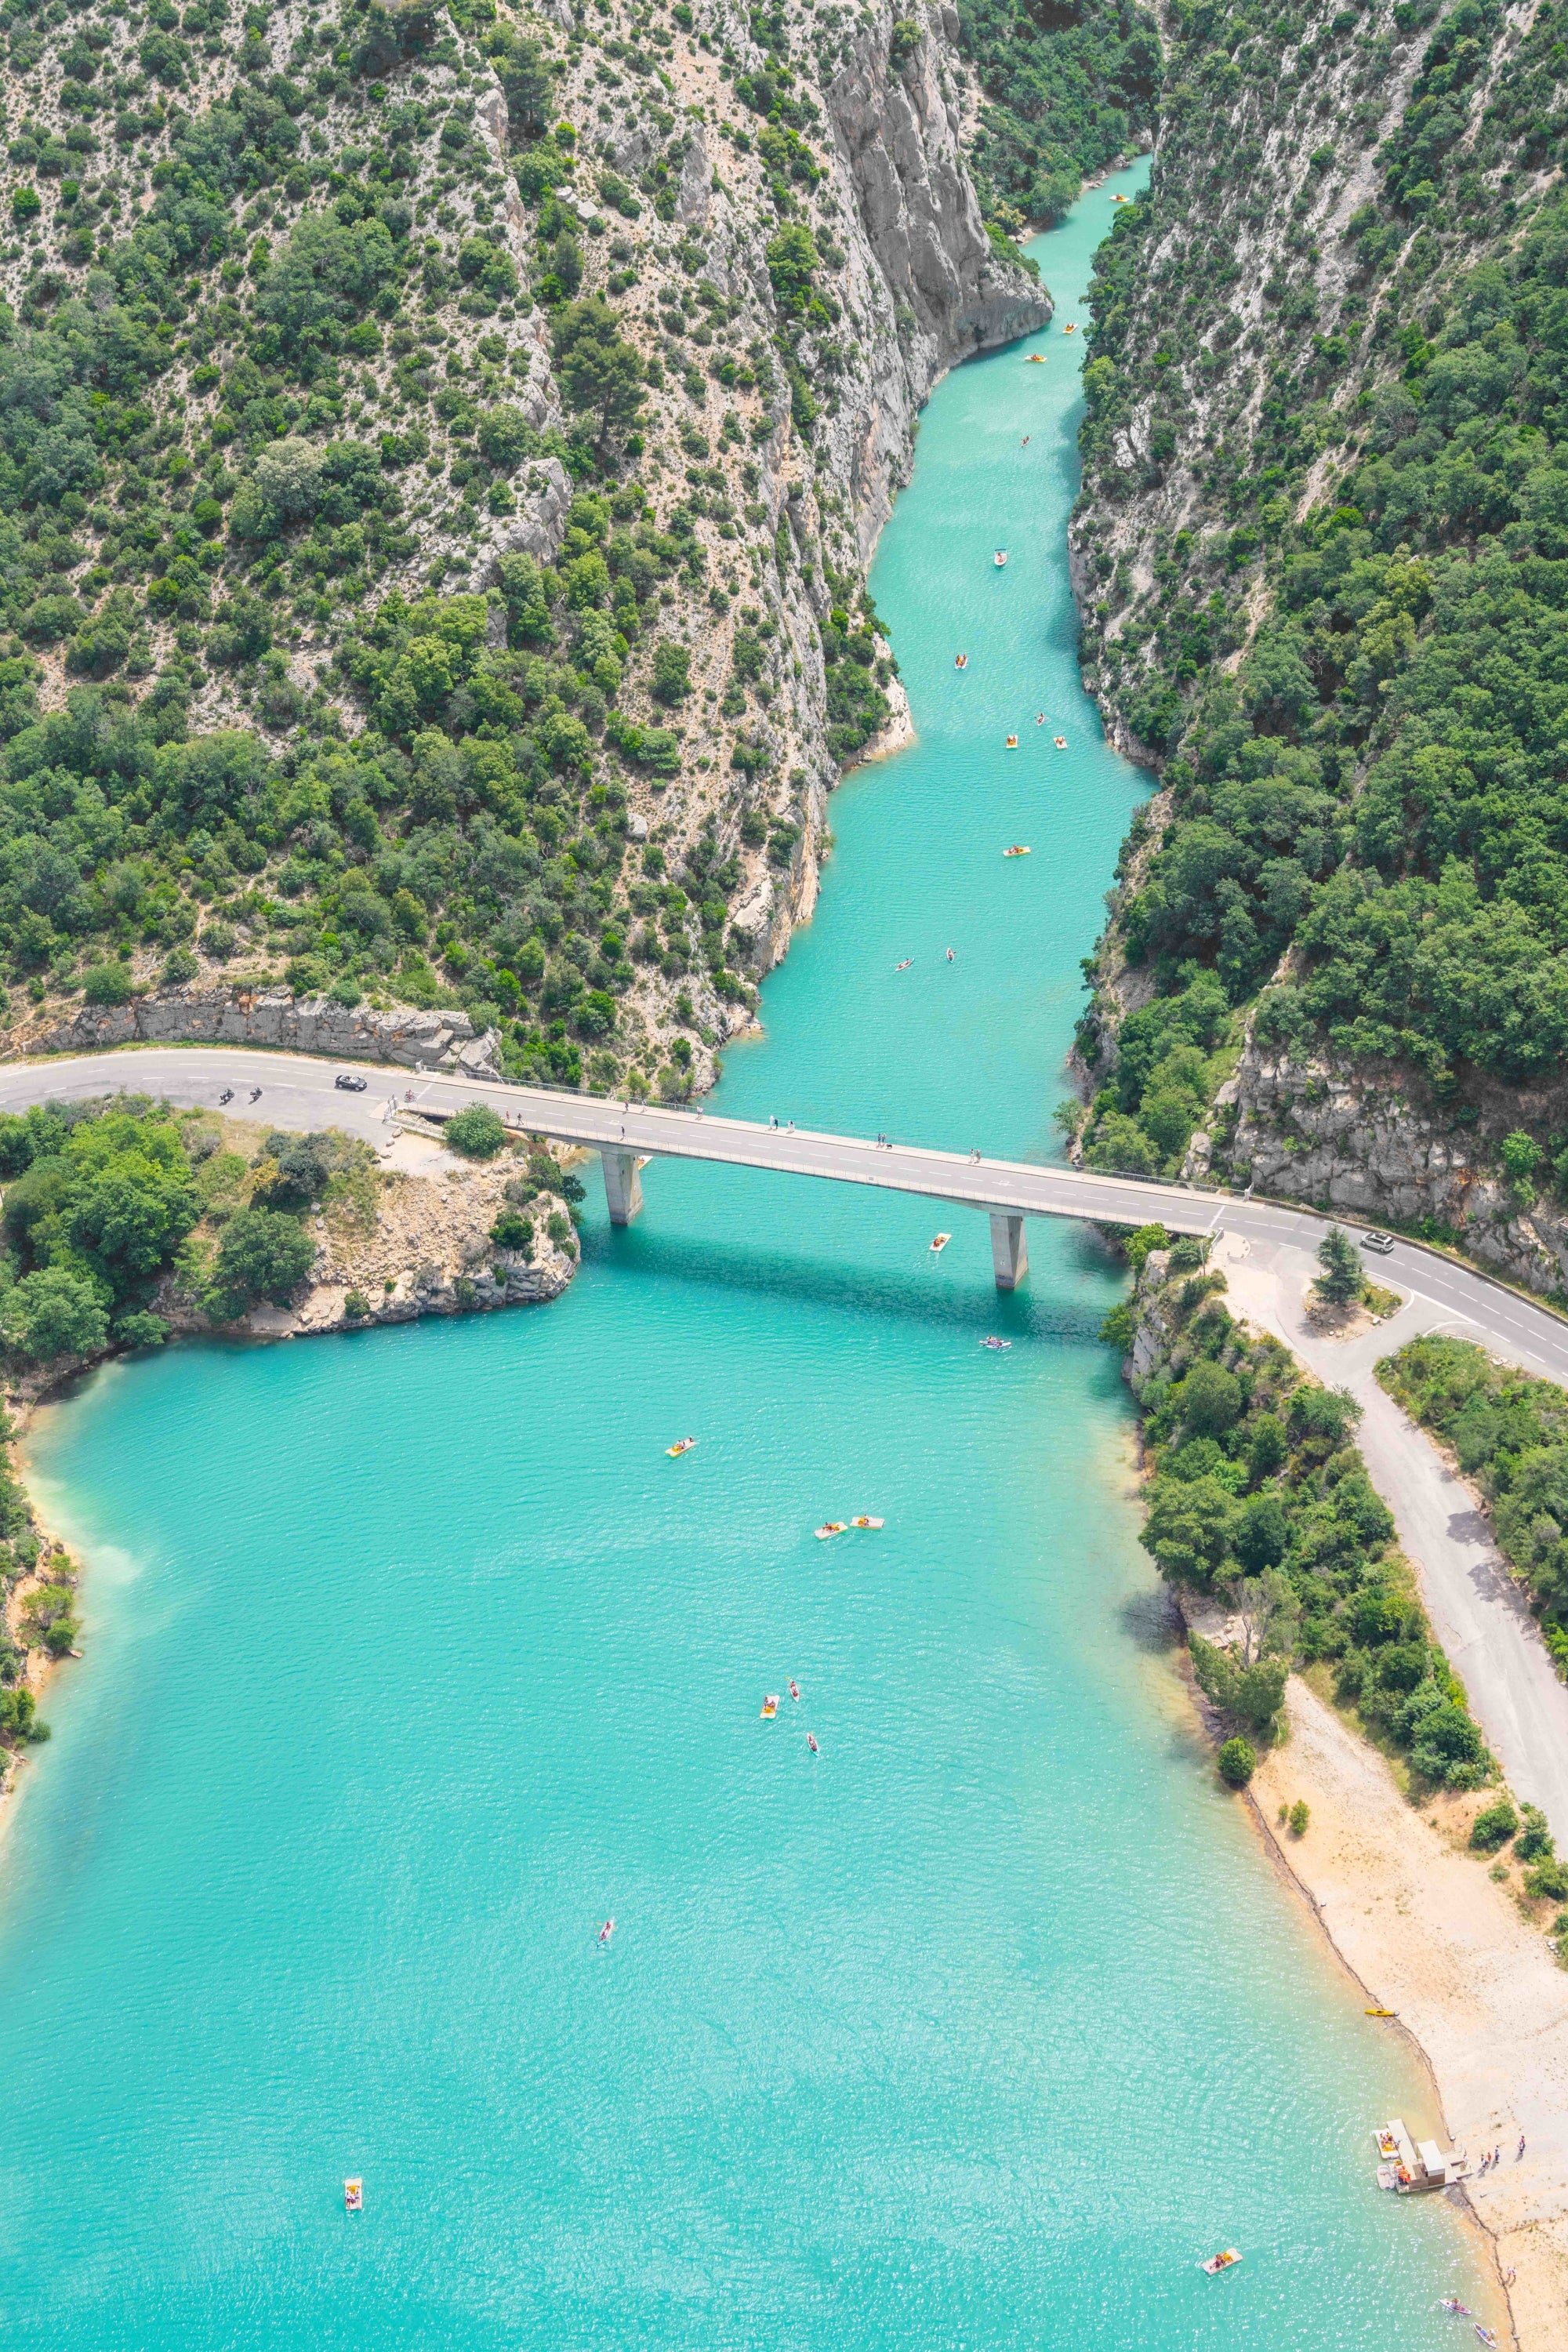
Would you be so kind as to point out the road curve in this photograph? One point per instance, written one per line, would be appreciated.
(1519, 1700)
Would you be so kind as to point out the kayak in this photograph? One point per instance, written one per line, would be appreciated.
(864, 1522)
(1037, 359)
(1226, 2260)
(1383, 2012)
(1019, 849)
(831, 1528)
(681, 1445)
(1000, 1345)
(353, 2196)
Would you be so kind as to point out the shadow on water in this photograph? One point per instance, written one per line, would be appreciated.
(793, 1281)
(1151, 1622)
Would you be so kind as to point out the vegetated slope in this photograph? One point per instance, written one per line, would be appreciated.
(1322, 562)
(439, 454)
(1067, 87)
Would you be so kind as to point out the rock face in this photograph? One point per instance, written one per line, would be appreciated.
(941, 293)
(1373, 1141)
(227, 1016)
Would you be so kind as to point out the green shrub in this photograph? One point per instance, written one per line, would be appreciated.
(1535, 1841)
(514, 1231)
(1237, 1762)
(477, 1133)
(1493, 1827)
(356, 1306)
(1547, 1881)
(1300, 1815)
(107, 983)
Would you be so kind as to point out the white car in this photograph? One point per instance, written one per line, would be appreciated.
(1382, 1244)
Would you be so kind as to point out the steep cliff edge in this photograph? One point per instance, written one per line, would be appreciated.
(1319, 558)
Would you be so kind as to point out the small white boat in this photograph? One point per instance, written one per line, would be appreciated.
(940, 1244)
(353, 2196)
(1225, 2260)
(831, 1528)
(1000, 558)
(1000, 1345)
(865, 1521)
(770, 1707)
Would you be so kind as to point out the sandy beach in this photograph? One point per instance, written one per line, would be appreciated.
(1419, 1922)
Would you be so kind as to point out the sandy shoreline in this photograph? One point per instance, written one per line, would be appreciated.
(1415, 1918)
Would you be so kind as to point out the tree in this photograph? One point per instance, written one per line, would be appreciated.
(1190, 1527)
(1268, 1611)
(52, 1313)
(476, 1132)
(263, 1254)
(599, 373)
(671, 672)
(1264, 1535)
(1209, 1400)
(1340, 1283)
(1237, 1762)
(514, 1231)
(792, 259)
(107, 983)
(503, 437)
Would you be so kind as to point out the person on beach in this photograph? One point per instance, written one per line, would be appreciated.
(1520, 2149)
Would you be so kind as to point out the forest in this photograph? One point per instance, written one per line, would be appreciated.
(1358, 693)
(1258, 1494)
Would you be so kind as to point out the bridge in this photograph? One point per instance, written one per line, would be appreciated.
(1266, 1249)
(300, 1090)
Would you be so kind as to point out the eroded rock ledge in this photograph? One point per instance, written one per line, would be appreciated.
(442, 1040)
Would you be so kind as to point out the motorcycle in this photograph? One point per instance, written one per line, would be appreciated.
(256, 1094)
(226, 1096)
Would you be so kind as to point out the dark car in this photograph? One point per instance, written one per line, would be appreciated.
(349, 1082)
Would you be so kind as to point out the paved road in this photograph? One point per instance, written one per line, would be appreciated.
(1520, 1702)
(1476, 1608)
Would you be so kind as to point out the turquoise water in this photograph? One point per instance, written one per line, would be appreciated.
(411, 1658)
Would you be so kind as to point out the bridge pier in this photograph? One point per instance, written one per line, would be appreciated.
(1009, 1250)
(623, 1185)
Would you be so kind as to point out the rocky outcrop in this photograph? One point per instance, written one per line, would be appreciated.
(235, 1016)
(428, 1252)
(1373, 1140)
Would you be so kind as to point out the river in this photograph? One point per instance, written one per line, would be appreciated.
(411, 1658)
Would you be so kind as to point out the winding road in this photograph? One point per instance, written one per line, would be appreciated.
(1268, 1251)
